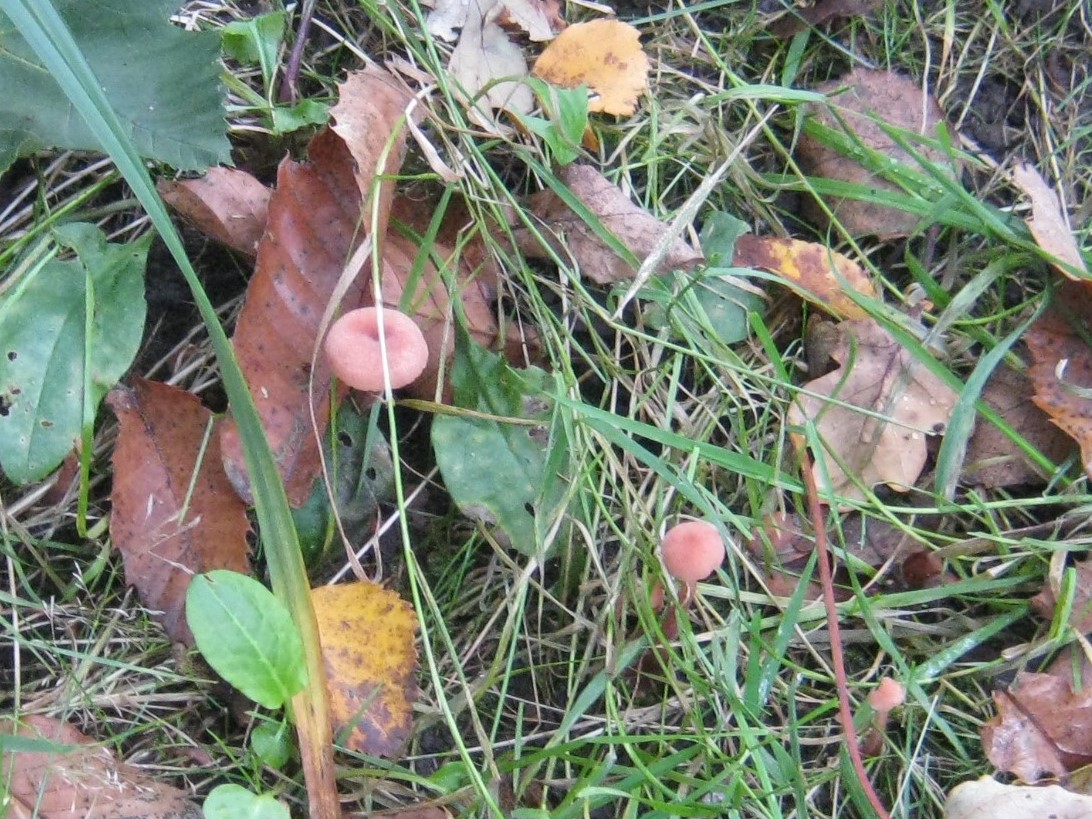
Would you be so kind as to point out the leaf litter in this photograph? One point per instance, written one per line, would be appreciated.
(873, 414)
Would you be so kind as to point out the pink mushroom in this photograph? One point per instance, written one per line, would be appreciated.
(691, 552)
(354, 354)
(884, 698)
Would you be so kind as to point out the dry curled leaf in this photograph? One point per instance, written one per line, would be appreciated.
(226, 204)
(1048, 223)
(873, 413)
(539, 19)
(1061, 369)
(869, 95)
(173, 515)
(367, 634)
(637, 229)
(987, 798)
(816, 272)
(490, 67)
(993, 459)
(80, 779)
(606, 56)
(1043, 728)
(315, 223)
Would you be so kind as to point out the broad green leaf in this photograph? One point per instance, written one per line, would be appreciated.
(236, 802)
(256, 41)
(511, 473)
(163, 82)
(44, 344)
(271, 742)
(246, 634)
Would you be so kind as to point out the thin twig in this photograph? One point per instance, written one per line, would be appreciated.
(289, 92)
(826, 579)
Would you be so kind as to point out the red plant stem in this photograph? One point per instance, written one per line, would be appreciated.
(289, 91)
(826, 579)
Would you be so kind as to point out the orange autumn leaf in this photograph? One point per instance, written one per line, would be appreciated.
(367, 634)
(226, 204)
(604, 55)
(816, 272)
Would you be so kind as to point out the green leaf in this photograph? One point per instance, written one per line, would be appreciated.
(236, 802)
(256, 41)
(44, 345)
(511, 473)
(271, 743)
(288, 118)
(710, 302)
(246, 634)
(163, 82)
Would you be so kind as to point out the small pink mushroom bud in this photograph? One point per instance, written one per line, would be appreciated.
(354, 354)
(691, 552)
(884, 698)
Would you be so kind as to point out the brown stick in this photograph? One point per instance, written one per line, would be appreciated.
(826, 579)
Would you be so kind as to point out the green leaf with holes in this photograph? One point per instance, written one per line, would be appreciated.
(45, 346)
(163, 81)
(511, 468)
(247, 635)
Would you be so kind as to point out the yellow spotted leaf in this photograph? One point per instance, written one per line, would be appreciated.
(604, 55)
(367, 635)
(816, 272)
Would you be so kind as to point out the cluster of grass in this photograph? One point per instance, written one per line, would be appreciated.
(530, 700)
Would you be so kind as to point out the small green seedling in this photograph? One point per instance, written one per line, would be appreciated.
(258, 42)
(235, 801)
(566, 119)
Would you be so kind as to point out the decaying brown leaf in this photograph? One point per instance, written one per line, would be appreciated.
(490, 68)
(367, 635)
(539, 19)
(1061, 369)
(317, 216)
(606, 56)
(986, 798)
(173, 516)
(226, 204)
(893, 99)
(1043, 728)
(816, 272)
(1048, 223)
(570, 235)
(992, 459)
(798, 19)
(84, 781)
(887, 404)
(1080, 616)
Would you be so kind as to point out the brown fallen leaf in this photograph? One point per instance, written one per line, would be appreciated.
(798, 19)
(489, 66)
(172, 516)
(606, 56)
(226, 204)
(893, 99)
(315, 223)
(82, 781)
(1061, 369)
(1048, 223)
(993, 460)
(431, 308)
(887, 404)
(1043, 728)
(367, 634)
(539, 19)
(812, 270)
(987, 798)
(637, 229)
(1080, 617)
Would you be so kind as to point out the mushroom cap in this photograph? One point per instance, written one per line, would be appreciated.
(353, 351)
(692, 550)
(889, 694)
